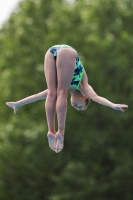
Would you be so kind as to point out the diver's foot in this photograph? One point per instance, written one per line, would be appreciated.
(13, 105)
(52, 140)
(60, 142)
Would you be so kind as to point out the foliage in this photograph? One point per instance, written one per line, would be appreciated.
(96, 162)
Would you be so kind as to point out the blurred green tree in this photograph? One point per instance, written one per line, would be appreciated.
(96, 162)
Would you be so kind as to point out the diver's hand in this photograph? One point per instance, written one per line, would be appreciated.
(119, 107)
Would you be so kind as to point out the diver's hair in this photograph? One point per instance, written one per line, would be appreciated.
(87, 102)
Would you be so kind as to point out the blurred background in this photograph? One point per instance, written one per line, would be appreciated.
(97, 160)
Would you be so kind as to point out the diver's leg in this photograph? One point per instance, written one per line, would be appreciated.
(50, 104)
(66, 59)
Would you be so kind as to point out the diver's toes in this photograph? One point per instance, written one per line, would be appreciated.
(58, 150)
(53, 149)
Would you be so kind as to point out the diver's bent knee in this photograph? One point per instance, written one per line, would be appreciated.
(52, 94)
(62, 92)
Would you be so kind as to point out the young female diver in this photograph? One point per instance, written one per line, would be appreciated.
(64, 72)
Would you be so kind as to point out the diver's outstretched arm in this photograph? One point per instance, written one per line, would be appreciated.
(27, 100)
(33, 98)
(101, 100)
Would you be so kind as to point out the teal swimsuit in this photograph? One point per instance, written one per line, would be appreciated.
(79, 69)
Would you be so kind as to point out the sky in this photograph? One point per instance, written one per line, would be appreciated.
(6, 8)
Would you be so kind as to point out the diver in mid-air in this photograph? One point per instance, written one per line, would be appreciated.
(64, 72)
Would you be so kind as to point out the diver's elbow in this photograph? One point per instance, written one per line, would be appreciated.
(95, 97)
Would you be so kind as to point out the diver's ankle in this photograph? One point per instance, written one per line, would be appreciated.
(60, 132)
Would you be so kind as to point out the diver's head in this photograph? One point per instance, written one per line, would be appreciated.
(80, 102)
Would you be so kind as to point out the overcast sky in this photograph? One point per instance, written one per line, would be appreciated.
(6, 8)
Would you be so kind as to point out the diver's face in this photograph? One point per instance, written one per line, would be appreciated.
(78, 103)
